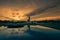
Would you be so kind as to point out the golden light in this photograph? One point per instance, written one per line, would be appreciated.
(15, 13)
(48, 18)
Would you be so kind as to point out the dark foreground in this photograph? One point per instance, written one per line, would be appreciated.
(36, 33)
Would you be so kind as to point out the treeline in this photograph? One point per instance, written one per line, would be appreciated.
(44, 21)
(11, 21)
(50, 23)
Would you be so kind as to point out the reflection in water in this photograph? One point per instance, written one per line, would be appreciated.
(36, 33)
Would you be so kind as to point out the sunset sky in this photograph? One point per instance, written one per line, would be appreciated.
(37, 9)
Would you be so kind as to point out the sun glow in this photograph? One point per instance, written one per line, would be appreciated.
(15, 13)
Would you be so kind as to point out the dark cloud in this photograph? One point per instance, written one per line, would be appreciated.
(40, 5)
(53, 12)
(4, 2)
(40, 10)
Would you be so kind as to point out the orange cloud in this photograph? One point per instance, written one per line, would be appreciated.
(49, 18)
(15, 12)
